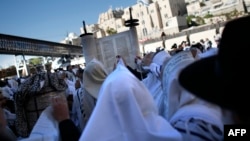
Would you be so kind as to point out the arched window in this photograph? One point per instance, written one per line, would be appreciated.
(166, 24)
(143, 22)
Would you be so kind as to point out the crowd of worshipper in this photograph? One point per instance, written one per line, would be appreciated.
(186, 94)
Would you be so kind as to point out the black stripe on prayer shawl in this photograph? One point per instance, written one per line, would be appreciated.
(194, 134)
(214, 133)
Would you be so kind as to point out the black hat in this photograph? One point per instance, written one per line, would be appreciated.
(174, 46)
(224, 78)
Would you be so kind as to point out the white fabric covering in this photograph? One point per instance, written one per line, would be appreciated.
(153, 83)
(181, 104)
(125, 111)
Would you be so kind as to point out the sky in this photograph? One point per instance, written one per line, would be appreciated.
(50, 20)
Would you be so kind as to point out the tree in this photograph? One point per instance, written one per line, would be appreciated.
(200, 20)
(10, 71)
(193, 20)
(228, 17)
(190, 20)
(208, 15)
(36, 61)
(111, 31)
(235, 13)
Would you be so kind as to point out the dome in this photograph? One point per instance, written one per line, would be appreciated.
(66, 39)
(72, 35)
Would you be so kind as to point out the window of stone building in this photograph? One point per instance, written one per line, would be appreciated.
(141, 13)
(144, 31)
(166, 15)
(166, 24)
(143, 22)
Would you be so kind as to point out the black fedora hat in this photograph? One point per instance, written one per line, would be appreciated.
(224, 78)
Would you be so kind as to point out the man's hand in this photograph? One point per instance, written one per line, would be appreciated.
(60, 108)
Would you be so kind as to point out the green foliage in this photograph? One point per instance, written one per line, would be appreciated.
(235, 13)
(200, 20)
(193, 20)
(111, 31)
(36, 61)
(189, 19)
(228, 17)
(208, 15)
(231, 15)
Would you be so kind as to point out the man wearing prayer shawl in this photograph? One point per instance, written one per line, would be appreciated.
(13, 85)
(139, 74)
(194, 118)
(153, 83)
(86, 97)
(227, 72)
(125, 111)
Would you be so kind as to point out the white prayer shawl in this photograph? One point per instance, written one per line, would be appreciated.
(154, 86)
(45, 129)
(182, 104)
(81, 82)
(71, 87)
(7, 92)
(120, 61)
(186, 48)
(126, 112)
(210, 52)
(157, 62)
(153, 83)
(171, 88)
(69, 82)
(75, 108)
(70, 90)
(74, 70)
(83, 106)
(71, 76)
(160, 57)
(193, 107)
